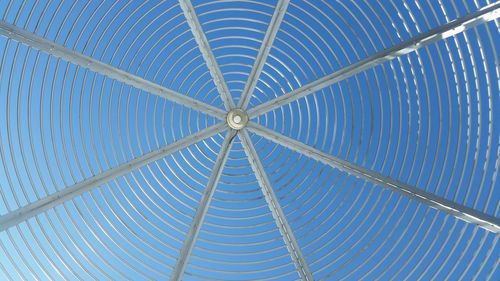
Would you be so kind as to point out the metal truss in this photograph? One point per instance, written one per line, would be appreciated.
(464, 213)
(35, 208)
(202, 210)
(278, 214)
(206, 51)
(267, 43)
(51, 48)
(483, 15)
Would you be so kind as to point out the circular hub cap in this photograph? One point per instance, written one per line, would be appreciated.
(237, 119)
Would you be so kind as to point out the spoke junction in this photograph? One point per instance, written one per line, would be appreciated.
(481, 16)
(202, 210)
(51, 48)
(35, 208)
(265, 48)
(278, 214)
(206, 51)
(237, 119)
(464, 213)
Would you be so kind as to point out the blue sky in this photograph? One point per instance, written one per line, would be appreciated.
(428, 118)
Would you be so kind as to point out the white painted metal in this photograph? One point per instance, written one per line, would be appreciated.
(35, 208)
(206, 51)
(74, 57)
(483, 15)
(202, 210)
(274, 206)
(237, 118)
(267, 42)
(459, 211)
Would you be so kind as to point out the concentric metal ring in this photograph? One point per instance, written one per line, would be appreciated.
(427, 118)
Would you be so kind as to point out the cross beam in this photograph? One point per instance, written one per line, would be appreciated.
(206, 51)
(464, 213)
(265, 48)
(485, 14)
(202, 210)
(278, 214)
(69, 55)
(35, 208)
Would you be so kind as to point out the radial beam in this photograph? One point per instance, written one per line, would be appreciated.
(483, 15)
(51, 48)
(206, 51)
(265, 48)
(459, 211)
(202, 210)
(35, 208)
(278, 214)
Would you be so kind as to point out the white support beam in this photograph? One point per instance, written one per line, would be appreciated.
(202, 210)
(35, 208)
(69, 55)
(265, 48)
(485, 14)
(464, 213)
(206, 51)
(278, 214)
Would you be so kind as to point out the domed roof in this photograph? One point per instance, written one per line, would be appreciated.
(249, 140)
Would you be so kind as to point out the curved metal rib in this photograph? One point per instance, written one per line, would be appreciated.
(267, 42)
(483, 15)
(31, 39)
(202, 210)
(464, 213)
(274, 206)
(206, 51)
(35, 208)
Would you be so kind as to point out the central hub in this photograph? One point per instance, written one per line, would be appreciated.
(237, 119)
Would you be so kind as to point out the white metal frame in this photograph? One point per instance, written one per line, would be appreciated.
(70, 192)
(485, 14)
(265, 48)
(202, 210)
(462, 212)
(490, 223)
(206, 51)
(51, 48)
(276, 210)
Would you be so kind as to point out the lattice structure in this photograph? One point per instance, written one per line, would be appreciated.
(249, 140)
